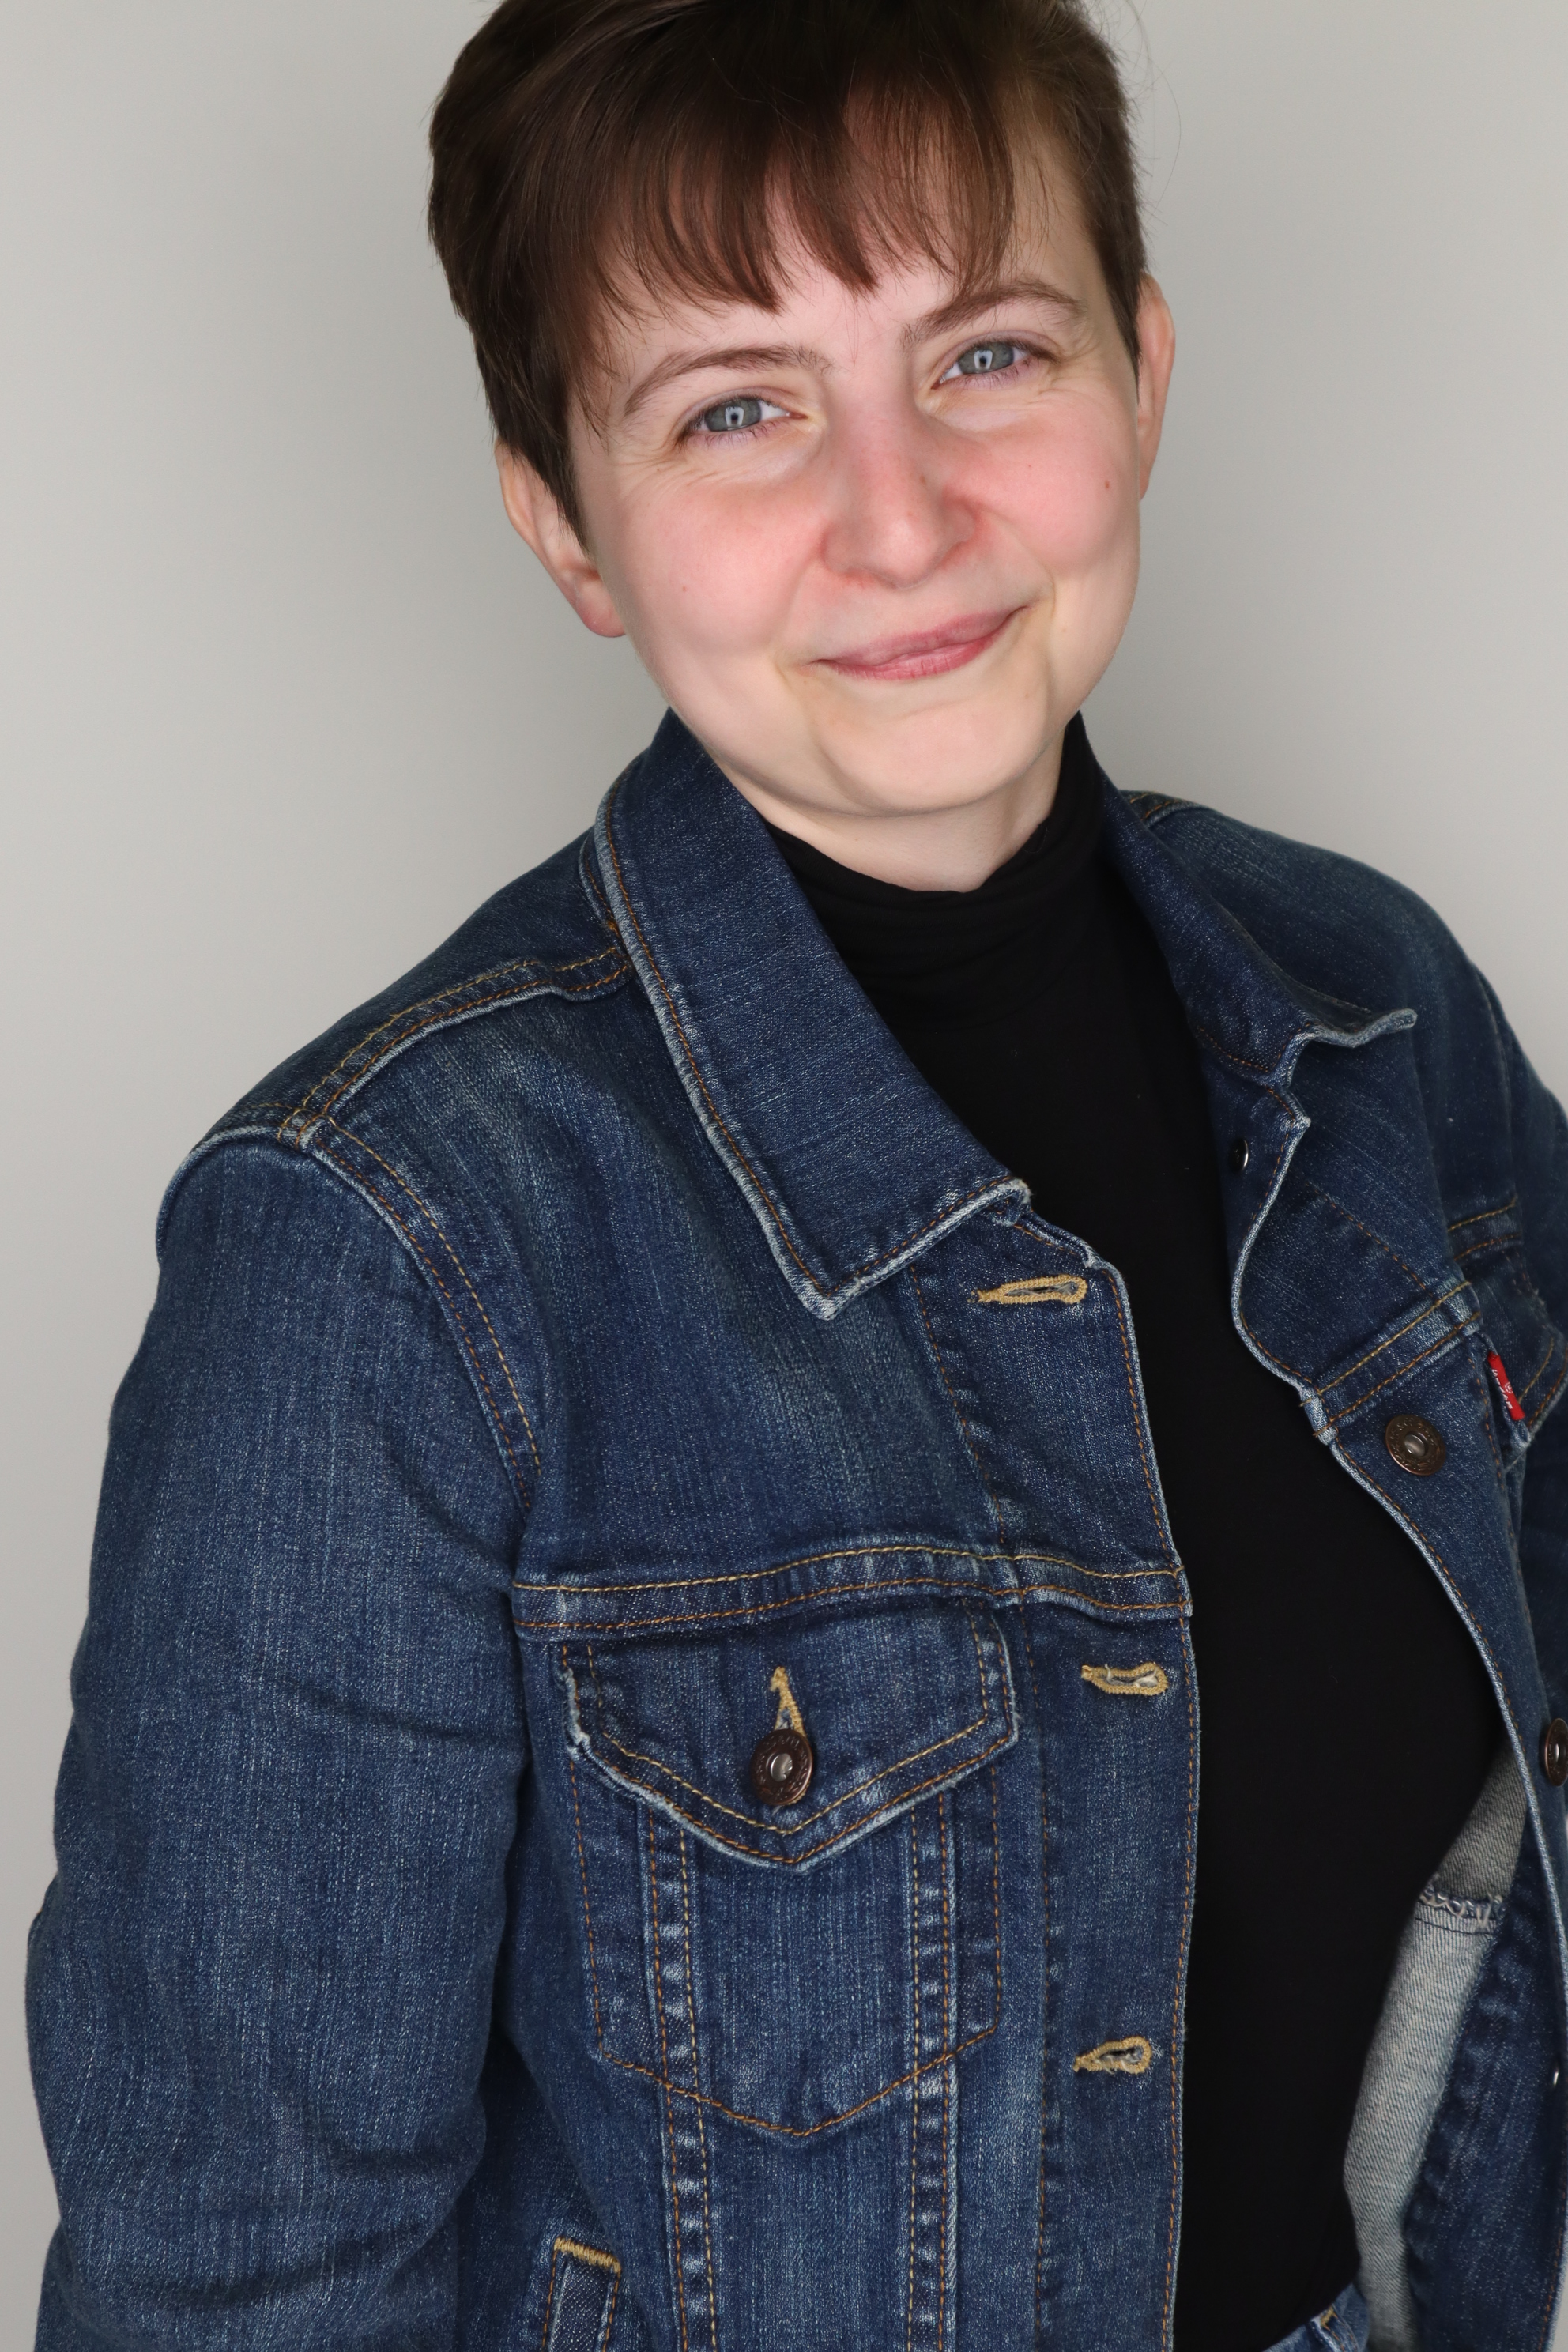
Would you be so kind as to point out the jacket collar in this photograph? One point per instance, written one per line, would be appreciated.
(849, 1162)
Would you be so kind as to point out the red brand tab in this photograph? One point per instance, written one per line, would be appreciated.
(1500, 1374)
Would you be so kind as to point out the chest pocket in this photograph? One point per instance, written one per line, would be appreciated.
(789, 1963)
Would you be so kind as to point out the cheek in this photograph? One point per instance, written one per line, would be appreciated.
(711, 577)
(1074, 500)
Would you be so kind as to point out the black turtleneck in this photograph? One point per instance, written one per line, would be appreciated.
(1039, 1008)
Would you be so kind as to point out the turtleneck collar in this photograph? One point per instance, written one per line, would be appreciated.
(943, 955)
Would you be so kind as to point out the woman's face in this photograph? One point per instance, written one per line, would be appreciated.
(874, 548)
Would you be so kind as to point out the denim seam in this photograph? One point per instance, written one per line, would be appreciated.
(1138, 1422)
(1485, 1402)
(805, 2131)
(1536, 1373)
(550, 2298)
(808, 1820)
(696, 2084)
(794, 1829)
(1482, 1215)
(1045, 1974)
(426, 1211)
(958, 1412)
(849, 1592)
(1347, 1412)
(915, 2087)
(450, 1002)
(590, 884)
(664, 2076)
(1176, 2065)
(823, 1290)
(851, 1829)
(1412, 1323)
(854, 1551)
(582, 1875)
(326, 1150)
(1424, 1287)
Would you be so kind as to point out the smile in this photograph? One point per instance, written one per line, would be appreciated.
(923, 655)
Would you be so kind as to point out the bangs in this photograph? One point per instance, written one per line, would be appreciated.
(597, 160)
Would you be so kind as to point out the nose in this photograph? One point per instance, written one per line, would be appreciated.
(894, 514)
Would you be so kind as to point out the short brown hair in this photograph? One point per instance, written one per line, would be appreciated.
(583, 147)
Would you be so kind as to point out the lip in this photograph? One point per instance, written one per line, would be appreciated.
(926, 652)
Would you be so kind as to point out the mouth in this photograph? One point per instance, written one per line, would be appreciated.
(926, 653)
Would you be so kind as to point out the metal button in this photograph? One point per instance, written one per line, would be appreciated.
(1414, 1445)
(781, 1768)
(1240, 1153)
(1554, 1751)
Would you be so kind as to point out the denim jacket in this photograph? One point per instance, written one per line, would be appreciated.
(603, 1364)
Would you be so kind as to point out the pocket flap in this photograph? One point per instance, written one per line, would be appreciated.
(895, 1703)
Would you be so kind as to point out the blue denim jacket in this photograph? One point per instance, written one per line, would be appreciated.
(605, 1350)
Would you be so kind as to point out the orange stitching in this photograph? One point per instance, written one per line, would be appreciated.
(445, 999)
(1137, 1419)
(1482, 1215)
(958, 1409)
(1545, 1405)
(550, 2298)
(1183, 1957)
(793, 1829)
(1536, 1374)
(1367, 1230)
(1045, 1972)
(893, 1249)
(1415, 1321)
(697, 2079)
(359, 1142)
(596, 891)
(997, 1889)
(600, 2261)
(1408, 1366)
(848, 1592)
(357, 1177)
(946, 2187)
(805, 2131)
(915, 2094)
(664, 2061)
(583, 1873)
(854, 1551)
(794, 1860)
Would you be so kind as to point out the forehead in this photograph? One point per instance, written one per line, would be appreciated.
(938, 276)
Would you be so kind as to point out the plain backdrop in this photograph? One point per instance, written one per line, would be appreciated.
(281, 699)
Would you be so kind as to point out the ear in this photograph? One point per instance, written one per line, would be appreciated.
(535, 514)
(1156, 357)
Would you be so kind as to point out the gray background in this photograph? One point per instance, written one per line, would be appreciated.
(282, 699)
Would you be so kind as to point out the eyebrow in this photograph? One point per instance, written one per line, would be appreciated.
(941, 320)
(733, 355)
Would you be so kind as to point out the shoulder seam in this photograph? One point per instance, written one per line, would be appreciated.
(510, 984)
(463, 1326)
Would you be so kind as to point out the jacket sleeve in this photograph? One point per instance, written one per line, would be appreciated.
(259, 1987)
(1541, 1174)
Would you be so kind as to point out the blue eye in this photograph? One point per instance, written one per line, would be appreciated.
(985, 359)
(731, 416)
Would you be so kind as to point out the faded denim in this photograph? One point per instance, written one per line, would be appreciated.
(604, 1346)
(1342, 2328)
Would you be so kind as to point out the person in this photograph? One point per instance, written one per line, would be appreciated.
(831, 1601)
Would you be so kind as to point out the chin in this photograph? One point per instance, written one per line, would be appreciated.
(940, 760)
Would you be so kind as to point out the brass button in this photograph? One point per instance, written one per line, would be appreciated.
(1240, 1153)
(781, 1768)
(1554, 1751)
(1414, 1445)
